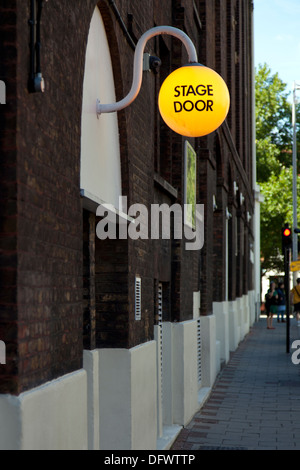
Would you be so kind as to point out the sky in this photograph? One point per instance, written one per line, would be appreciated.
(277, 38)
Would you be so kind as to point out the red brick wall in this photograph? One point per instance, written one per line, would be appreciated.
(61, 288)
(8, 198)
(43, 215)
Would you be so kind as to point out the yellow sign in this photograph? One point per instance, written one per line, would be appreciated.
(295, 266)
(194, 100)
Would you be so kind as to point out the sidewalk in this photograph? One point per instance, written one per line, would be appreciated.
(255, 402)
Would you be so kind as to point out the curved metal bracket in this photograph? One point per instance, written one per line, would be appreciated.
(138, 65)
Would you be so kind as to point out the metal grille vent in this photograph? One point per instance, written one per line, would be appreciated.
(199, 352)
(160, 293)
(138, 298)
(160, 321)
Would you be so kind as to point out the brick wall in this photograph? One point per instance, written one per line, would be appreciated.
(44, 212)
(8, 197)
(62, 289)
(229, 24)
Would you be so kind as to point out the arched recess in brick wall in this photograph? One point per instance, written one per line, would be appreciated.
(105, 261)
(100, 172)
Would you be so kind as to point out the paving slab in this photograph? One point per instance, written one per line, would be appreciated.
(255, 402)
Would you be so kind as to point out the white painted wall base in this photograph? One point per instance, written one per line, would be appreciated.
(185, 385)
(50, 417)
(203, 395)
(122, 399)
(234, 328)
(179, 383)
(122, 386)
(239, 302)
(91, 365)
(221, 312)
(177, 378)
(233, 322)
(252, 307)
(158, 340)
(246, 315)
(168, 437)
(210, 357)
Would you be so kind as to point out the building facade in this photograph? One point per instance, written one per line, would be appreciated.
(112, 342)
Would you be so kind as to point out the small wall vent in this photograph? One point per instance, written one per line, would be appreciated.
(138, 298)
(199, 352)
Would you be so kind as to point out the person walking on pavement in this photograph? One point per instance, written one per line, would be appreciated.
(281, 305)
(267, 304)
(295, 299)
(271, 297)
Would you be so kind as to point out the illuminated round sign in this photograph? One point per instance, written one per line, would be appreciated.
(194, 100)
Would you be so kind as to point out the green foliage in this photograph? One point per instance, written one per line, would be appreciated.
(276, 210)
(274, 162)
(273, 123)
(268, 159)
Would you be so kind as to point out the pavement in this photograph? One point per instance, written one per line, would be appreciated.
(255, 401)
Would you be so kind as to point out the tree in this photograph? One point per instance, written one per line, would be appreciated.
(276, 210)
(274, 162)
(273, 124)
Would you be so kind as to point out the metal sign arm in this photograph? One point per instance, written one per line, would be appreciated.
(138, 65)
